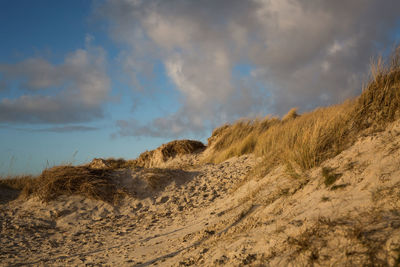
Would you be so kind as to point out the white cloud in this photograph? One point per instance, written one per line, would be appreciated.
(73, 91)
(305, 53)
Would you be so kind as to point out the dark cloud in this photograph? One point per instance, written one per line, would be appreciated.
(166, 127)
(304, 53)
(73, 91)
(60, 129)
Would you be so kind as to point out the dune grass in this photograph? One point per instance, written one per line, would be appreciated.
(16, 182)
(66, 180)
(308, 139)
(305, 140)
(168, 151)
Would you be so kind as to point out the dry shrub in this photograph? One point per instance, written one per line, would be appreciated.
(70, 180)
(313, 137)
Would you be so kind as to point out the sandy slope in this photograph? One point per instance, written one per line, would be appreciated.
(210, 215)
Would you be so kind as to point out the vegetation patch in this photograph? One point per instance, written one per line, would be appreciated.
(325, 199)
(329, 176)
(339, 186)
(292, 172)
(168, 151)
(70, 180)
(16, 182)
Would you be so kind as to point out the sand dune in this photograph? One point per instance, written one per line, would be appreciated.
(345, 212)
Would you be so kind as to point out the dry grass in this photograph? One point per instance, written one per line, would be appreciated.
(69, 180)
(168, 151)
(95, 179)
(111, 164)
(118, 163)
(309, 139)
(292, 114)
(17, 182)
(380, 101)
(94, 183)
(238, 139)
(181, 147)
(306, 140)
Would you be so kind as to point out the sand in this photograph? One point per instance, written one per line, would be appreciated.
(219, 214)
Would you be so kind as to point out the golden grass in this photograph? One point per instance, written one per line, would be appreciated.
(380, 101)
(292, 114)
(305, 140)
(309, 139)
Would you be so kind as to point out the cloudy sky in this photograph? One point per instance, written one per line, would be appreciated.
(111, 78)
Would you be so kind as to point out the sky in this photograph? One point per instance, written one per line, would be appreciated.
(81, 79)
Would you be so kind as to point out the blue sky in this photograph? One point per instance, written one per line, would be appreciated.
(50, 30)
(94, 78)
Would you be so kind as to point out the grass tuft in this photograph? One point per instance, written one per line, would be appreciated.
(70, 180)
(330, 177)
(292, 114)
